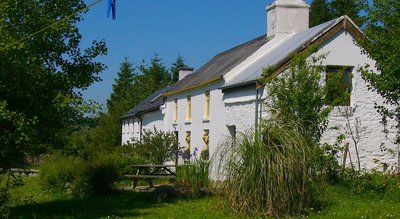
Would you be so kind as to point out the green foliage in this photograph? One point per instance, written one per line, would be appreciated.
(133, 85)
(273, 172)
(179, 63)
(338, 87)
(381, 44)
(128, 157)
(15, 130)
(322, 11)
(156, 147)
(330, 158)
(41, 72)
(298, 96)
(78, 177)
(194, 176)
(123, 85)
(319, 12)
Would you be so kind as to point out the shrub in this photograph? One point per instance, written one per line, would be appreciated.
(58, 172)
(193, 177)
(376, 182)
(96, 176)
(80, 178)
(128, 157)
(156, 147)
(272, 172)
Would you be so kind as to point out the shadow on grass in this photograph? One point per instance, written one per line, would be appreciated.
(120, 204)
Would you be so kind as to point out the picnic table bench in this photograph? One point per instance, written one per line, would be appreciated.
(149, 172)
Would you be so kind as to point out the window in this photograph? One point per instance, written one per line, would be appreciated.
(189, 109)
(207, 105)
(206, 138)
(175, 119)
(131, 125)
(338, 81)
(188, 139)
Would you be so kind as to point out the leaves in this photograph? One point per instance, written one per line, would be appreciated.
(42, 70)
(297, 95)
(381, 44)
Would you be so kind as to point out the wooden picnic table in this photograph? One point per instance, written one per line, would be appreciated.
(151, 171)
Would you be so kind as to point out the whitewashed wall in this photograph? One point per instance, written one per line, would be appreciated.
(153, 120)
(343, 51)
(340, 50)
(215, 123)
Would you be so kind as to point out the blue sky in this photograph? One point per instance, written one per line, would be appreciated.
(195, 29)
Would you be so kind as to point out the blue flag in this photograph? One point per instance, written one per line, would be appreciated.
(111, 8)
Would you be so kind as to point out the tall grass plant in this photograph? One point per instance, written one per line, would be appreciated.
(272, 172)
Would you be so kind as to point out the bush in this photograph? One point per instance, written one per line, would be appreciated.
(156, 147)
(58, 172)
(375, 182)
(271, 173)
(193, 177)
(80, 178)
(128, 157)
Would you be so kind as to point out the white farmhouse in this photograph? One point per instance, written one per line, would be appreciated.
(223, 97)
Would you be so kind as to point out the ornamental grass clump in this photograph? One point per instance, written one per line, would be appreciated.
(272, 172)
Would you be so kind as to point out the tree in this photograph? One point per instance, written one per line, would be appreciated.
(129, 89)
(320, 12)
(41, 68)
(123, 84)
(179, 63)
(297, 96)
(41, 71)
(325, 10)
(154, 77)
(382, 31)
(350, 8)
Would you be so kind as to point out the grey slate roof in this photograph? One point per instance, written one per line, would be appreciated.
(220, 64)
(152, 102)
(279, 54)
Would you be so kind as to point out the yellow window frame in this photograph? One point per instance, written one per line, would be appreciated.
(207, 105)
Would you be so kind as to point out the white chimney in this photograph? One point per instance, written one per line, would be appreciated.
(287, 16)
(184, 71)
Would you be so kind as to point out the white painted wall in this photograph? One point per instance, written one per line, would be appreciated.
(153, 119)
(131, 126)
(215, 124)
(342, 51)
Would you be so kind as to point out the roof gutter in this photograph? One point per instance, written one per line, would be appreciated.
(210, 81)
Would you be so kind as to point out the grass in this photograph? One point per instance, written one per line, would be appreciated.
(35, 203)
(344, 203)
(31, 202)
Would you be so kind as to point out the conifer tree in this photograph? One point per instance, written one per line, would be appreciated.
(179, 63)
(325, 10)
(123, 84)
(320, 12)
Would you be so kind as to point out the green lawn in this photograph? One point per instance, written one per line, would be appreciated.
(123, 204)
(32, 202)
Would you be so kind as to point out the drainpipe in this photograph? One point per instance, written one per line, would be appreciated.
(256, 110)
(140, 129)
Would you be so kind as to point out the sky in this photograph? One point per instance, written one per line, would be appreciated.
(196, 30)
